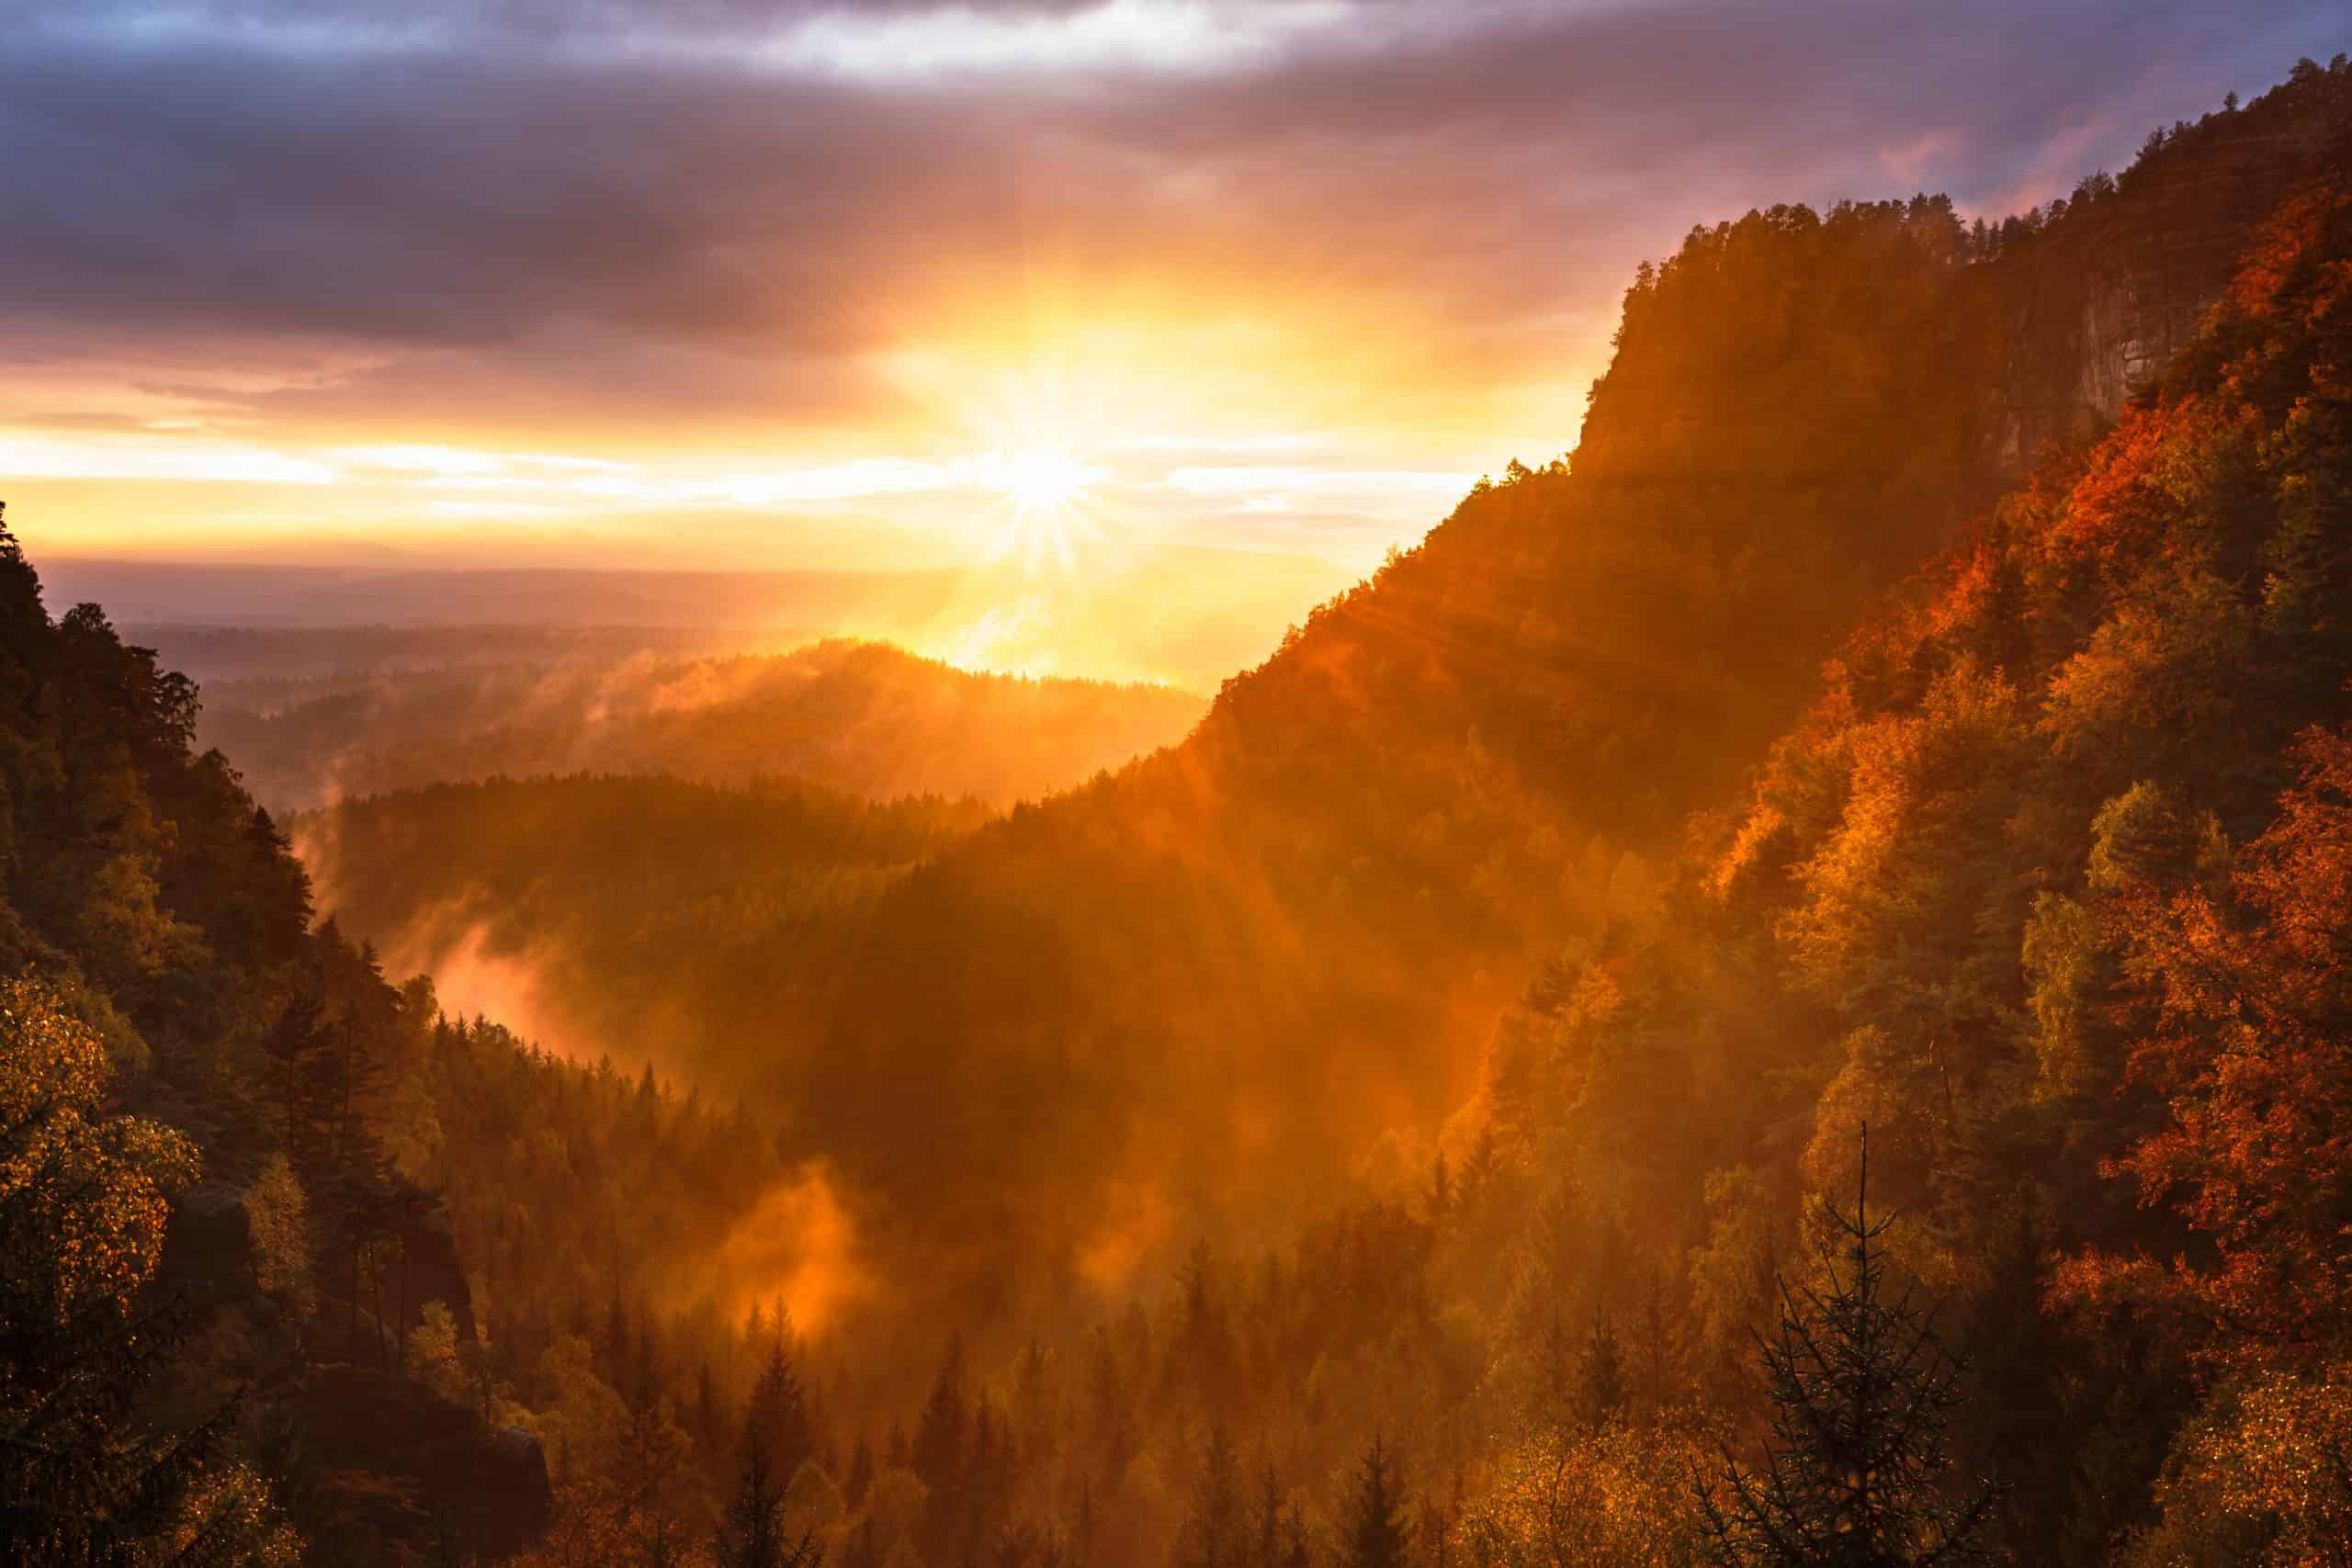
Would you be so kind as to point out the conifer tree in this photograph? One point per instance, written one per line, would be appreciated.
(1266, 1519)
(861, 1474)
(1863, 1395)
(1213, 1534)
(295, 1049)
(1601, 1375)
(1372, 1522)
(940, 1455)
(779, 1413)
(1554, 1373)
(753, 1535)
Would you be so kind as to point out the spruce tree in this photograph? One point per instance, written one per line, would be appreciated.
(752, 1534)
(1373, 1525)
(1215, 1533)
(1863, 1395)
(779, 1413)
(1601, 1375)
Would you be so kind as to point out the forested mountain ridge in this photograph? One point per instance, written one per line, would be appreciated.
(2046, 887)
(1378, 833)
(178, 1044)
(861, 716)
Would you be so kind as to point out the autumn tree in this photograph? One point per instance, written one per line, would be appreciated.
(2254, 990)
(86, 1475)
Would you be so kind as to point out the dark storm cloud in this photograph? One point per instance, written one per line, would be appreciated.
(651, 188)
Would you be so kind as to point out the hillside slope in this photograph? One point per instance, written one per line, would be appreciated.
(2046, 888)
(1247, 959)
(1277, 952)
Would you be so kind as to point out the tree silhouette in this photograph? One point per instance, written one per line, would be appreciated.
(753, 1535)
(779, 1413)
(1372, 1524)
(1600, 1374)
(1862, 1393)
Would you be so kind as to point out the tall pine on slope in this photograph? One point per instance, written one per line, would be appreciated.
(1862, 1393)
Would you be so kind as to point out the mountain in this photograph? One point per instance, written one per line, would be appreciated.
(1113, 1122)
(2044, 888)
(1106, 612)
(861, 717)
(1276, 954)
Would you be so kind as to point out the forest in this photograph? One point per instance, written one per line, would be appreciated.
(1774, 992)
(866, 717)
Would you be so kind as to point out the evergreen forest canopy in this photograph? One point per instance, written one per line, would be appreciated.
(1378, 1130)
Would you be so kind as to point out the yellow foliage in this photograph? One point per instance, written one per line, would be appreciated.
(2262, 1477)
(84, 1194)
(1617, 1497)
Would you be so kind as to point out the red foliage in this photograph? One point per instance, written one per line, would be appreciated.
(2253, 1049)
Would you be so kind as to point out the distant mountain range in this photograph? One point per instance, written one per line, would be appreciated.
(1186, 615)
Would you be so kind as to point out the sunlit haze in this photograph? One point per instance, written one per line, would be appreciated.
(731, 286)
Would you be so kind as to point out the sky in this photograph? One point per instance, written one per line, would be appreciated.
(717, 284)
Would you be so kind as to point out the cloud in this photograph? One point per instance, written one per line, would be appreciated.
(145, 461)
(1912, 159)
(405, 221)
(1226, 481)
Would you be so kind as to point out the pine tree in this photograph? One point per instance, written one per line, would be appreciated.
(1555, 1379)
(1266, 1519)
(753, 1535)
(1213, 1534)
(861, 1474)
(708, 1418)
(295, 1049)
(1373, 1523)
(779, 1413)
(1862, 1394)
(940, 1455)
(1601, 1375)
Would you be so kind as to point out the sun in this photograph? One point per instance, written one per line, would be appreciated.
(1045, 489)
(1042, 479)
